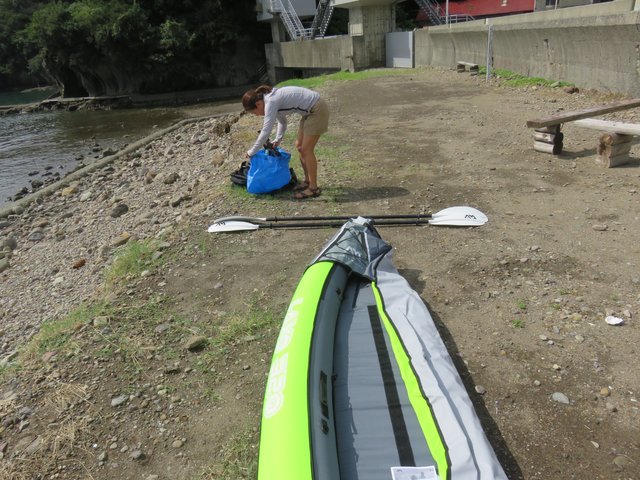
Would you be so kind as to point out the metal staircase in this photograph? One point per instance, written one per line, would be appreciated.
(432, 9)
(290, 18)
(322, 18)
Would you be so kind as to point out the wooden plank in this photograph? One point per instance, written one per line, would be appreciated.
(580, 114)
(609, 126)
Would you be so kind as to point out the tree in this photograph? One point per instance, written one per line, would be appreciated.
(106, 47)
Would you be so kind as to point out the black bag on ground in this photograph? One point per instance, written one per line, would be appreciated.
(239, 176)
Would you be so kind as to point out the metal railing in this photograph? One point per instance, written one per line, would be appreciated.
(322, 18)
(290, 19)
(433, 9)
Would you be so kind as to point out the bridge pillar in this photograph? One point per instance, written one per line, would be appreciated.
(371, 20)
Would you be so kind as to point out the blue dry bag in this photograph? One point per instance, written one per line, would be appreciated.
(269, 171)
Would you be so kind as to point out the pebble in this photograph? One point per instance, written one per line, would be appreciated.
(605, 392)
(600, 227)
(196, 342)
(137, 455)
(481, 390)
(120, 400)
(560, 398)
(622, 462)
(119, 210)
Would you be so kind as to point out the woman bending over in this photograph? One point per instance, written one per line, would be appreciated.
(275, 104)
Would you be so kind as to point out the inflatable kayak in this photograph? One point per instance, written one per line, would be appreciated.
(361, 386)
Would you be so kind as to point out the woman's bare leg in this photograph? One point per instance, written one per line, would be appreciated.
(309, 160)
(299, 140)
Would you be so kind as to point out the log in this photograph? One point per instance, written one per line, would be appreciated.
(543, 137)
(613, 149)
(547, 147)
(613, 161)
(614, 138)
(554, 129)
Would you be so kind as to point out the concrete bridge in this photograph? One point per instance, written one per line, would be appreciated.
(594, 46)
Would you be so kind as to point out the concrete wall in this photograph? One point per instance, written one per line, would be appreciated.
(363, 48)
(595, 46)
(335, 53)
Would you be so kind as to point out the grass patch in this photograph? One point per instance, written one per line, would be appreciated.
(238, 459)
(522, 304)
(517, 323)
(255, 321)
(513, 79)
(132, 260)
(344, 76)
(57, 335)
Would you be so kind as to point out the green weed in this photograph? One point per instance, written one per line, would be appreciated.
(257, 320)
(57, 334)
(237, 459)
(132, 260)
(522, 304)
(345, 76)
(517, 323)
(518, 80)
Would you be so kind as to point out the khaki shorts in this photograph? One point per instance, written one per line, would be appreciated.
(317, 122)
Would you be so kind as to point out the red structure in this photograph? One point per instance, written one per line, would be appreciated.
(482, 8)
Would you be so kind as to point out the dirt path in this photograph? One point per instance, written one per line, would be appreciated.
(520, 302)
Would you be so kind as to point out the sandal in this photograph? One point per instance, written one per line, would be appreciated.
(301, 186)
(303, 195)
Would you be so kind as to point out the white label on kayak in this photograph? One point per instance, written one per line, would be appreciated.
(414, 473)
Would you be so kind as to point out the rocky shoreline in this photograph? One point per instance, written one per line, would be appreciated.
(56, 242)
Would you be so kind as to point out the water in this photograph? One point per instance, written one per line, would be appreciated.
(37, 146)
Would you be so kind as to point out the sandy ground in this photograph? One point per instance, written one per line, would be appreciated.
(521, 302)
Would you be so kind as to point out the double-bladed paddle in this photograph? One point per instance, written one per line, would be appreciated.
(452, 216)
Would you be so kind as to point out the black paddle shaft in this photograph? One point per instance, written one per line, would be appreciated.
(419, 216)
(398, 223)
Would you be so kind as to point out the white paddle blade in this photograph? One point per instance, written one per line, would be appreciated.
(232, 226)
(459, 217)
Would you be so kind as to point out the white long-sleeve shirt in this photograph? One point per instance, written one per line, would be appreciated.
(279, 103)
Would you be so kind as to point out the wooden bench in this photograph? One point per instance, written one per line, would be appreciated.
(461, 67)
(615, 142)
(548, 138)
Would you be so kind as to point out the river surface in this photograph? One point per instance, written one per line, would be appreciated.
(41, 147)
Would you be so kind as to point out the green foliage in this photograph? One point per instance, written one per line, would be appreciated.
(314, 82)
(517, 323)
(156, 44)
(132, 260)
(57, 334)
(517, 80)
